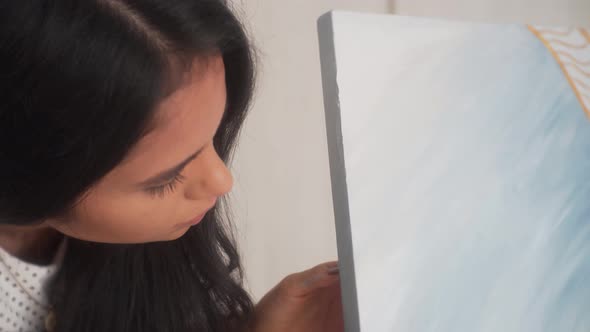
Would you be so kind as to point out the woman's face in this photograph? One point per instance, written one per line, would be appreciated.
(171, 178)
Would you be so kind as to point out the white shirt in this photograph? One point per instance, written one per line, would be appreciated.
(23, 294)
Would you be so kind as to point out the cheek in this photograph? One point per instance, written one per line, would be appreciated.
(130, 218)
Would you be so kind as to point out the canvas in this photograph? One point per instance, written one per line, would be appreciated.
(460, 163)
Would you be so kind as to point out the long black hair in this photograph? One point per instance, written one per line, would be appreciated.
(79, 85)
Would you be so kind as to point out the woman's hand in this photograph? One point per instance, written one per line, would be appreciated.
(308, 301)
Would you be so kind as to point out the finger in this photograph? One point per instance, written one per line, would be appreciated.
(318, 277)
(329, 268)
(334, 270)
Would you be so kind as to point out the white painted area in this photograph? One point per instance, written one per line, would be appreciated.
(466, 177)
(553, 12)
(282, 195)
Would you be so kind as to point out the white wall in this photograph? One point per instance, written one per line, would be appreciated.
(282, 196)
(551, 12)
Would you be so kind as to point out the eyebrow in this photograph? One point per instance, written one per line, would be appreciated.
(170, 173)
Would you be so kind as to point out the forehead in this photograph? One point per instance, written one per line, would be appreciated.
(184, 122)
(197, 86)
(193, 102)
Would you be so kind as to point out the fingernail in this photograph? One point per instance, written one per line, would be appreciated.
(334, 270)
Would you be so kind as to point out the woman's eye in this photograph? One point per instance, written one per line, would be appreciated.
(162, 190)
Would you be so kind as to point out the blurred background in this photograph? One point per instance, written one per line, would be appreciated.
(282, 197)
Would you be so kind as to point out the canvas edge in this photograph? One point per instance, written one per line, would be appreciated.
(338, 172)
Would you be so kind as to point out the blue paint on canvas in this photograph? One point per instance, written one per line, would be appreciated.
(480, 219)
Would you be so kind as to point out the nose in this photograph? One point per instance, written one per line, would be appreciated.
(210, 177)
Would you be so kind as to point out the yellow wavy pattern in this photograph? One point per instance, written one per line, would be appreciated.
(582, 84)
(578, 68)
(555, 32)
(569, 45)
(573, 58)
(572, 82)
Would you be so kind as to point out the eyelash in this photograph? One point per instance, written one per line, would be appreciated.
(162, 190)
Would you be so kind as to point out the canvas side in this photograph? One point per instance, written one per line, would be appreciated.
(338, 172)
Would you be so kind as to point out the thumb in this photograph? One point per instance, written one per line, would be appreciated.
(318, 277)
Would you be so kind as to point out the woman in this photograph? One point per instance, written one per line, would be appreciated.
(117, 118)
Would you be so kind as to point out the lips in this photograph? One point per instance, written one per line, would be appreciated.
(197, 219)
